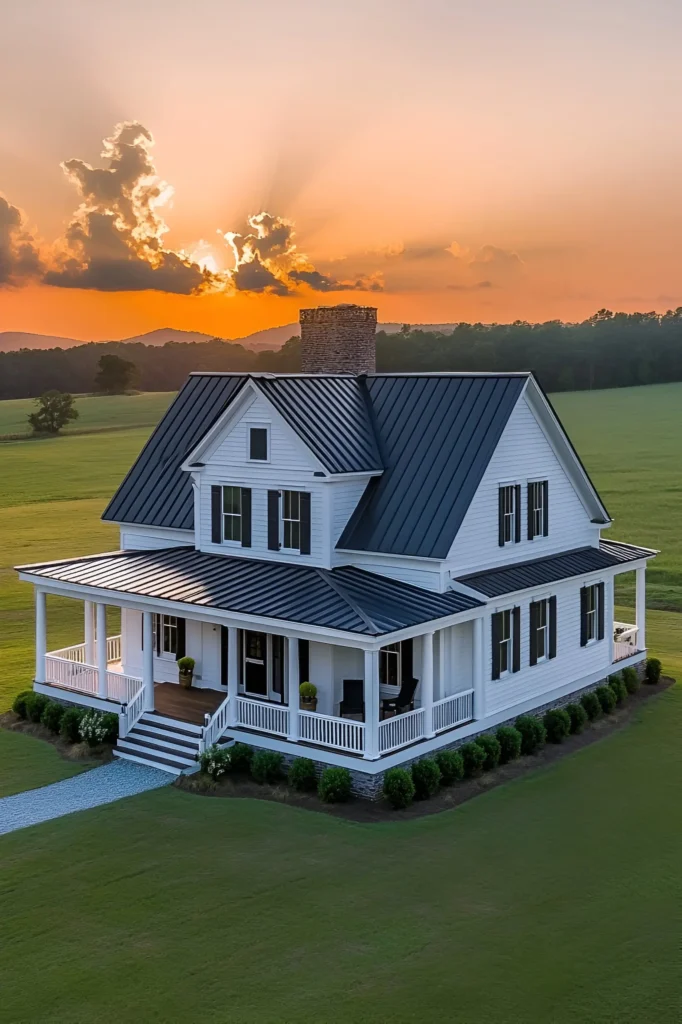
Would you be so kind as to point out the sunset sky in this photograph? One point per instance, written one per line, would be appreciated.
(442, 160)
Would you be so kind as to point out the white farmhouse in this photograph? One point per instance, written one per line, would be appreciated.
(425, 548)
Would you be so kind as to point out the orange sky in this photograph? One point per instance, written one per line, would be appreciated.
(475, 161)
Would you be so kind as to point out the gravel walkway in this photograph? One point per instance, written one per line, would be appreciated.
(89, 789)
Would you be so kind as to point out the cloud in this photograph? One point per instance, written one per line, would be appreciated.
(476, 286)
(20, 259)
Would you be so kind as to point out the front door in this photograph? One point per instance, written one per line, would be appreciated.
(255, 663)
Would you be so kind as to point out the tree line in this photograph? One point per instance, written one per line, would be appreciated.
(607, 350)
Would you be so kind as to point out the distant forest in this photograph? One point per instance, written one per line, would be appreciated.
(609, 350)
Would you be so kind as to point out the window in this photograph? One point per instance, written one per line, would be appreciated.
(232, 514)
(538, 518)
(389, 665)
(509, 514)
(591, 614)
(291, 519)
(258, 444)
(542, 630)
(168, 635)
(505, 654)
(506, 642)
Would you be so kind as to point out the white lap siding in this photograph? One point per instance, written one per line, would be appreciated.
(153, 538)
(202, 642)
(572, 662)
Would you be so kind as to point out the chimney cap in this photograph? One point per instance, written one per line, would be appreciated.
(342, 311)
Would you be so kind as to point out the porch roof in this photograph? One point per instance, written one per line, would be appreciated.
(347, 598)
(507, 579)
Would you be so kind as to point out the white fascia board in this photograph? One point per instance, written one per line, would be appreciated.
(432, 626)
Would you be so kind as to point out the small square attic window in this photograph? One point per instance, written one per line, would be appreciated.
(258, 444)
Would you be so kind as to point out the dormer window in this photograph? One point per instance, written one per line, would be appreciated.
(258, 444)
(289, 521)
(538, 509)
(509, 514)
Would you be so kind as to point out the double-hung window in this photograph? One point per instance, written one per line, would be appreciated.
(291, 520)
(591, 614)
(538, 509)
(289, 526)
(542, 639)
(506, 642)
(509, 514)
(389, 665)
(168, 635)
(232, 514)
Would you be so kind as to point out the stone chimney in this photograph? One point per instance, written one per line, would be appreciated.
(338, 339)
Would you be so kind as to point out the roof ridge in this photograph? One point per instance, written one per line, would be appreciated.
(326, 575)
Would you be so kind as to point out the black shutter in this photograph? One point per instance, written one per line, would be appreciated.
(216, 515)
(273, 520)
(530, 512)
(407, 660)
(545, 508)
(600, 610)
(583, 616)
(246, 517)
(303, 661)
(516, 639)
(224, 634)
(305, 522)
(534, 633)
(496, 623)
(552, 627)
(180, 653)
(517, 513)
(500, 513)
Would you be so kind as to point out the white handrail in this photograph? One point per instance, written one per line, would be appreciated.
(113, 649)
(122, 688)
(266, 717)
(131, 713)
(73, 675)
(75, 653)
(328, 731)
(453, 710)
(401, 730)
(215, 726)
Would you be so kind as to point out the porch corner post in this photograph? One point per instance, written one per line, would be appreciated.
(478, 677)
(292, 658)
(427, 684)
(101, 649)
(232, 674)
(371, 705)
(89, 632)
(41, 634)
(148, 660)
(640, 605)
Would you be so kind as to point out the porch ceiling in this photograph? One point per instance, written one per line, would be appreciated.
(347, 598)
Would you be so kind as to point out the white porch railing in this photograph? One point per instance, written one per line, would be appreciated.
(215, 725)
(69, 669)
(74, 675)
(624, 640)
(122, 688)
(131, 713)
(453, 711)
(113, 649)
(257, 714)
(327, 731)
(75, 653)
(401, 730)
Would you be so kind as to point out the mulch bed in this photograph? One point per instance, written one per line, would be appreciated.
(69, 751)
(369, 811)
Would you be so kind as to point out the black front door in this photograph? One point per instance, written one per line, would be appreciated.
(255, 663)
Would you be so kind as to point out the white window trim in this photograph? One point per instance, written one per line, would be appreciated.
(509, 642)
(283, 519)
(517, 511)
(541, 534)
(223, 540)
(257, 426)
(399, 673)
(595, 586)
(545, 628)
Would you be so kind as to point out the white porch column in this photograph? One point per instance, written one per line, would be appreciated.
(292, 657)
(101, 649)
(147, 660)
(640, 605)
(89, 632)
(371, 705)
(232, 673)
(426, 685)
(478, 673)
(41, 634)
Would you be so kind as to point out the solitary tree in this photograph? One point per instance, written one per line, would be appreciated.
(55, 410)
(115, 375)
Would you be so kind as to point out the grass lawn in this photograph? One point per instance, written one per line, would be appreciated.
(95, 412)
(552, 899)
(28, 763)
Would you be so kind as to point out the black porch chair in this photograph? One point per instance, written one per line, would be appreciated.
(404, 701)
(353, 702)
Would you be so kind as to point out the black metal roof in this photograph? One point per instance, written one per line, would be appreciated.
(507, 579)
(346, 598)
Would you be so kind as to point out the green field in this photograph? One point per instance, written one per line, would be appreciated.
(28, 763)
(95, 412)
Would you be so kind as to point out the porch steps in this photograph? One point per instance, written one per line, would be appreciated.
(161, 742)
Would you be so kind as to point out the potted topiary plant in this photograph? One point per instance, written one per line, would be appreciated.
(186, 671)
(308, 694)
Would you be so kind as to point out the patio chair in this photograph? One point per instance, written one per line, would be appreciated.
(404, 701)
(353, 702)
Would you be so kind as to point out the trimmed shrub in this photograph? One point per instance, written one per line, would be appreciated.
(266, 766)
(451, 766)
(241, 756)
(606, 698)
(399, 788)
(532, 731)
(19, 703)
(509, 739)
(111, 725)
(653, 670)
(35, 705)
(302, 774)
(334, 785)
(94, 728)
(631, 679)
(590, 702)
(69, 730)
(52, 716)
(426, 778)
(618, 686)
(473, 757)
(215, 761)
(492, 749)
(578, 717)
(557, 723)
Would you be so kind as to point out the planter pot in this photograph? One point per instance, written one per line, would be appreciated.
(185, 679)
(308, 705)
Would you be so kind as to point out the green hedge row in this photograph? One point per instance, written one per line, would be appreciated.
(267, 766)
(74, 725)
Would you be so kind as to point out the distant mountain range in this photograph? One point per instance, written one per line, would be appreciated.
(270, 338)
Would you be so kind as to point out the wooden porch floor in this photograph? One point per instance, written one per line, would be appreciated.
(191, 705)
